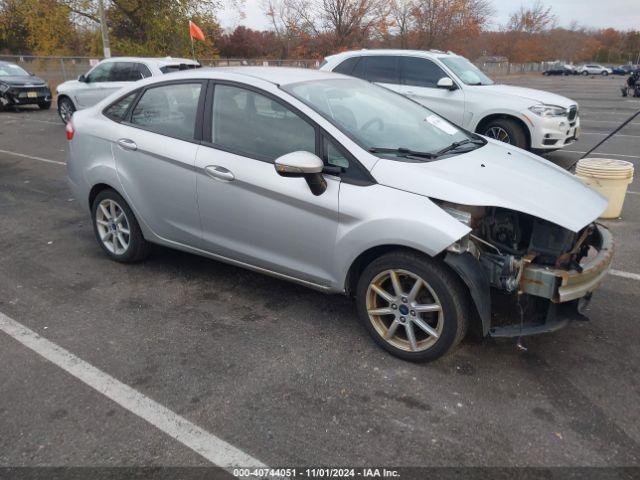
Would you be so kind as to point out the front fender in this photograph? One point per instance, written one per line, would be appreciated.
(377, 215)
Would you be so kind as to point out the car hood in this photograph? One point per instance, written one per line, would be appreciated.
(499, 176)
(22, 81)
(532, 95)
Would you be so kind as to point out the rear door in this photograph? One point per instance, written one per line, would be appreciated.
(419, 78)
(155, 150)
(249, 212)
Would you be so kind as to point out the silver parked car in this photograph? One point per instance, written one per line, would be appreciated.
(110, 75)
(343, 186)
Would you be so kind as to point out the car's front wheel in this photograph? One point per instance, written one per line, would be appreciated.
(506, 131)
(116, 228)
(65, 109)
(585, 73)
(605, 73)
(413, 306)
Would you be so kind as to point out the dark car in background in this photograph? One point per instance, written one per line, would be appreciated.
(560, 70)
(623, 69)
(19, 87)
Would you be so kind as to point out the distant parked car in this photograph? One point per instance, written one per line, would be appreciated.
(19, 87)
(110, 75)
(623, 69)
(594, 69)
(459, 91)
(560, 70)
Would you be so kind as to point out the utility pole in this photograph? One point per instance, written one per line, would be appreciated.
(104, 30)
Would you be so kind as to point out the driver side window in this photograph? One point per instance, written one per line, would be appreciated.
(420, 72)
(102, 73)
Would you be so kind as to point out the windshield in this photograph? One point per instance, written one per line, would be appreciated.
(376, 118)
(466, 71)
(9, 70)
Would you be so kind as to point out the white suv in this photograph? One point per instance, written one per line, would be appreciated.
(594, 69)
(456, 89)
(110, 75)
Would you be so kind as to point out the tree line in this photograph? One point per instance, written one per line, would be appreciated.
(306, 29)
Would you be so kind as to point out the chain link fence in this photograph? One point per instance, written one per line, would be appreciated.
(56, 70)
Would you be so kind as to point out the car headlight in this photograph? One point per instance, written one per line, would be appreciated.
(548, 110)
(4, 87)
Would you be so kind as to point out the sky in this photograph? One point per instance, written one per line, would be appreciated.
(620, 14)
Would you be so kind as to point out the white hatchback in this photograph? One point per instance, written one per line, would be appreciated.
(456, 89)
(110, 75)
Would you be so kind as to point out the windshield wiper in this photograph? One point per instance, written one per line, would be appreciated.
(402, 151)
(456, 145)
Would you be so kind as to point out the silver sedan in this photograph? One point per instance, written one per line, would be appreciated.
(347, 187)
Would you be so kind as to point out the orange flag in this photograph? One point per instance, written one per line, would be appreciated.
(195, 32)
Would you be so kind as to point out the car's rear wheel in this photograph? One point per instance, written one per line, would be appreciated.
(65, 109)
(506, 131)
(44, 105)
(116, 228)
(413, 306)
(585, 73)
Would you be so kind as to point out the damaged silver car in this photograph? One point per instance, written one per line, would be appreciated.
(346, 187)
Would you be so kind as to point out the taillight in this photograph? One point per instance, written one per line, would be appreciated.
(70, 131)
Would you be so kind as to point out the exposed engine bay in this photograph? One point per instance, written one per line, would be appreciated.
(530, 266)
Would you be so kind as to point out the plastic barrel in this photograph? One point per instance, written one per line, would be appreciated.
(610, 178)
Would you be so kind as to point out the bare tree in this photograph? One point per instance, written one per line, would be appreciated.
(401, 15)
(535, 19)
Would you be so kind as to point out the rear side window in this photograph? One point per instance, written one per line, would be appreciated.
(124, 72)
(254, 125)
(169, 110)
(117, 111)
(346, 67)
(420, 72)
(382, 69)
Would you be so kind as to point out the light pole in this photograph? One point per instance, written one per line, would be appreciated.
(104, 30)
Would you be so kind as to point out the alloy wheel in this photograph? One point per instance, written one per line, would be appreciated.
(66, 111)
(498, 133)
(404, 310)
(113, 227)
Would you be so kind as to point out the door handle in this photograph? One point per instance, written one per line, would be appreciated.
(219, 173)
(127, 144)
(409, 92)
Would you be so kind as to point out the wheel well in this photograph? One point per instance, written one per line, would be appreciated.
(67, 97)
(96, 190)
(497, 116)
(364, 259)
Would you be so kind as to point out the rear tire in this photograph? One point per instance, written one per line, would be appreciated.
(507, 131)
(402, 325)
(44, 105)
(585, 73)
(116, 228)
(65, 109)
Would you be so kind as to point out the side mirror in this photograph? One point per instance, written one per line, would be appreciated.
(305, 165)
(447, 83)
(82, 78)
(31, 74)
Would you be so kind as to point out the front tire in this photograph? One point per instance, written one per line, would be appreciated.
(65, 109)
(507, 131)
(585, 73)
(413, 306)
(116, 228)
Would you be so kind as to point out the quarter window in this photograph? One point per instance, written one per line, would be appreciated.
(254, 125)
(118, 110)
(169, 110)
(143, 71)
(333, 156)
(420, 72)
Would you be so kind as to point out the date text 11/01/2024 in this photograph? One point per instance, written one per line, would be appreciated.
(316, 473)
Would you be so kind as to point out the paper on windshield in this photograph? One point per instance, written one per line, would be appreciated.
(442, 125)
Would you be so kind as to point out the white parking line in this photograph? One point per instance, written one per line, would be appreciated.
(605, 134)
(629, 192)
(200, 441)
(620, 273)
(34, 120)
(610, 154)
(31, 157)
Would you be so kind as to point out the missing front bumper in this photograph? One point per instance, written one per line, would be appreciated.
(559, 285)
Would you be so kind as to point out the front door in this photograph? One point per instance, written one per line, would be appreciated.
(155, 152)
(249, 212)
(419, 78)
(102, 81)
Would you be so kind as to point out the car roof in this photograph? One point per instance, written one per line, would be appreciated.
(277, 75)
(161, 61)
(385, 51)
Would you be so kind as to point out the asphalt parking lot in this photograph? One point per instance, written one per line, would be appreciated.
(283, 374)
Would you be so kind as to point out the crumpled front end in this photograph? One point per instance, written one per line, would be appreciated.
(527, 275)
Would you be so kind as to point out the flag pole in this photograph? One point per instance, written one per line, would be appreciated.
(193, 50)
